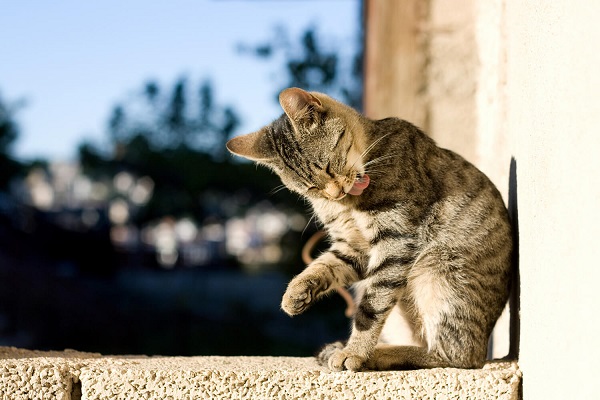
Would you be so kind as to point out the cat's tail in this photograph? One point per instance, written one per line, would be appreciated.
(387, 357)
(391, 357)
(307, 258)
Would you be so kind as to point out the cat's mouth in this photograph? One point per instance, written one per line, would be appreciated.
(360, 183)
(335, 191)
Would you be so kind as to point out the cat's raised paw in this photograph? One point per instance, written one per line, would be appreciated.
(298, 296)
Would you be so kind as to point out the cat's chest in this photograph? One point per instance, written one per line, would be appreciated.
(346, 223)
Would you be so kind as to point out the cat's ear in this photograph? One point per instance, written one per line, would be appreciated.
(298, 104)
(252, 146)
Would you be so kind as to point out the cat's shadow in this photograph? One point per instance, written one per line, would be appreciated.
(514, 300)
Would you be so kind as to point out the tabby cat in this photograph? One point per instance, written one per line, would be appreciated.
(422, 233)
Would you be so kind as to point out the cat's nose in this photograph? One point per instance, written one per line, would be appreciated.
(334, 190)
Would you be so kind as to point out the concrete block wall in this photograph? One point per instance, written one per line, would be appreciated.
(72, 375)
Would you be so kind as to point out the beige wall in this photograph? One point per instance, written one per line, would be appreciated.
(553, 98)
(395, 62)
(440, 64)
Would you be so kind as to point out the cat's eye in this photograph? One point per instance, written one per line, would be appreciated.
(339, 138)
(328, 170)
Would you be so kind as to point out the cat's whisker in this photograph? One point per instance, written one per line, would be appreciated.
(375, 172)
(379, 159)
(277, 189)
(312, 217)
(372, 145)
(368, 149)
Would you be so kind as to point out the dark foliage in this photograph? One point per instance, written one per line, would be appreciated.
(311, 63)
(9, 132)
(182, 149)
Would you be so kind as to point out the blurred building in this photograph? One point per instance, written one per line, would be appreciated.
(62, 195)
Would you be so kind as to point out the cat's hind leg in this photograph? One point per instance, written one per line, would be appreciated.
(452, 310)
(453, 324)
(454, 355)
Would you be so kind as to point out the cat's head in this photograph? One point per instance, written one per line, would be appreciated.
(315, 147)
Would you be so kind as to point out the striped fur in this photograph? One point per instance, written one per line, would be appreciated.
(429, 239)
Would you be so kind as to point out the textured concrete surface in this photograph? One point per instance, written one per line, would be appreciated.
(73, 375)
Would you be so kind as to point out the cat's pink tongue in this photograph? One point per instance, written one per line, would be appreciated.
(359, 185)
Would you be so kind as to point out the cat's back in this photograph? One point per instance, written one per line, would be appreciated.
(409, 166)
(409, 170)
(433, 191)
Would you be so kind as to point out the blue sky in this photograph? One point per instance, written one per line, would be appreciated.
(72, 61)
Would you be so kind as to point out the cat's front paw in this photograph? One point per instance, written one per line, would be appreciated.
(299, 294)
(341, 359)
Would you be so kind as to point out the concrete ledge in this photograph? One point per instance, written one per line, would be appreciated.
(70, 375)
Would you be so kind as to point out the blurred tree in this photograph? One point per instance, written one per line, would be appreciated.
(9, 131)
(175, 119)
(311, 64)
(177, 137)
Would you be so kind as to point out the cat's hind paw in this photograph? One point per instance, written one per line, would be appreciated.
(327, 351)
(337, 358)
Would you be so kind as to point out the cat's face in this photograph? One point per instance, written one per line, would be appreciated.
(315, 146)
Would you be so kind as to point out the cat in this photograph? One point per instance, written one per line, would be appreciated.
(422, 233)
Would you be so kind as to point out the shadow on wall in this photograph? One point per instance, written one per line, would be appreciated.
(514, 301)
